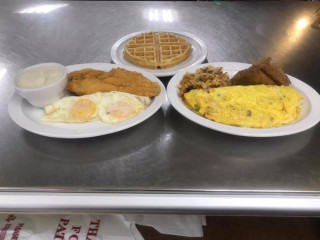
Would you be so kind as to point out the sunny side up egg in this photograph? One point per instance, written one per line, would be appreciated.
(258, 106)
(73, 109)
(109, 107)
(118, 107)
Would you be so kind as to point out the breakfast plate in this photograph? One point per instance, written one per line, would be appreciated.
(310, 114)
(27, 116)
(198, 55)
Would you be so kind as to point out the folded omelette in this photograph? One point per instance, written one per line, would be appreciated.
(258, 106)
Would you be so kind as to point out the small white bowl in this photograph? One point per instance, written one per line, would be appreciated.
(42, 96)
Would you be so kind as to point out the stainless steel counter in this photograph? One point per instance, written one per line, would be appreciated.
(166, 156)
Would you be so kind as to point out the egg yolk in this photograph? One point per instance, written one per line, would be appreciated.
(119, 110)
(83, 109)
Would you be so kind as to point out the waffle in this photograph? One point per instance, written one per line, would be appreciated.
(157, 50)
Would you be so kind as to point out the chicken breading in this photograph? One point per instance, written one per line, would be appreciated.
(88, 81)
(251, 76)
(261, 72)
(273, 71)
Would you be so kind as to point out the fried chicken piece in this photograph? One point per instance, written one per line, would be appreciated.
(88, 81)
(261, 72)
(273, 71)
(251, 76)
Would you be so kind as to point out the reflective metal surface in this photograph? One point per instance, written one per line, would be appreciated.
(166, 153)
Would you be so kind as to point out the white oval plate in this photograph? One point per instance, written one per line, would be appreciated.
(310, 115)
(198, 55)
(27, 116)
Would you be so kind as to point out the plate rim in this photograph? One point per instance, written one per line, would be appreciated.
(15, 110)
(165, 73)
(311, 119)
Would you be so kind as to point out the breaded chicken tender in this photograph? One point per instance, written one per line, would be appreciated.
(88, 81)
(261, 72)
(251, 76)
(273, 71)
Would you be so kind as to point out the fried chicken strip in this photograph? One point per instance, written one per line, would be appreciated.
(88, 81)
(261, 72)
(273, 71)
(251, 76)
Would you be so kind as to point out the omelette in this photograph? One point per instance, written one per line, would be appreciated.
(256, 106)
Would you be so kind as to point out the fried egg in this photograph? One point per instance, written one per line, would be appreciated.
(73, 109)
(108, 107)
(117, 107)
(258, 106)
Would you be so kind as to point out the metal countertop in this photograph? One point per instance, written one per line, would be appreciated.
(166, 154)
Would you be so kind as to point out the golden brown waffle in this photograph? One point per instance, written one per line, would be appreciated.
(157, 50)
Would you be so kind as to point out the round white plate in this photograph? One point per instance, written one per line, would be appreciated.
(27, 116)
(198, 55)
(310, 115)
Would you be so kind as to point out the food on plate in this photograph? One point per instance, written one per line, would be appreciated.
(157, 50)
(40, 76)
(109, 107)
(73, 109)
(88, 81)
(262, 72)
(118, 107)
(41, 84)
(257, 106)
(203, 78)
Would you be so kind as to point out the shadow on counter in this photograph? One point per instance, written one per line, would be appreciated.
(102, 148)
(237, 147)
